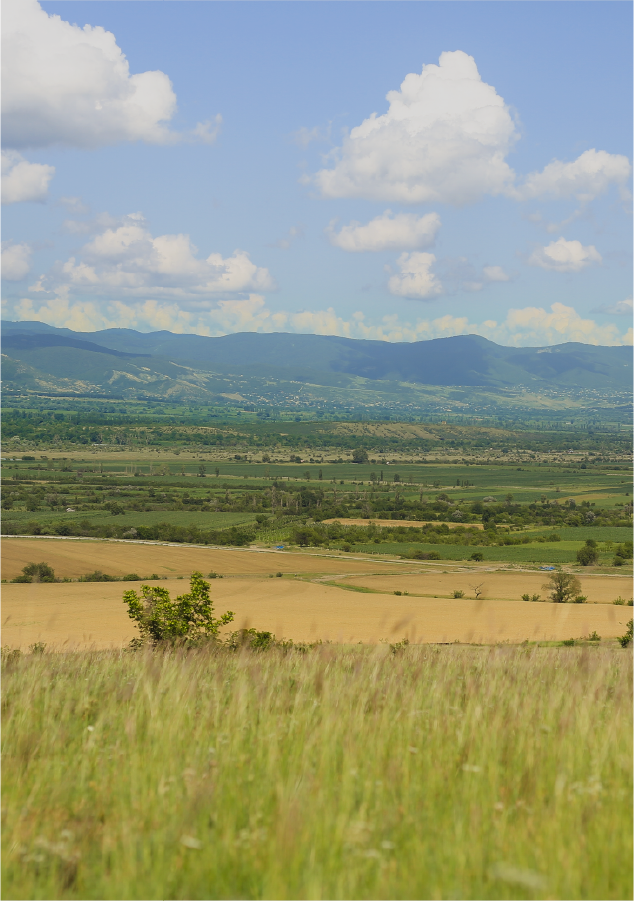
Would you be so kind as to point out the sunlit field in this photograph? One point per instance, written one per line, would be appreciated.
(402, 772)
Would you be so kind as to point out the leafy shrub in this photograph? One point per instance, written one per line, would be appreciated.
(97, 576)
(580, 599)
(531, 597)
(399, 646)
(457, 593)
(189, 618)
(252, 639)
(131, 577)
(624, 640)
(36, 572)
(568, 642)
(477, 556)
(594, 636)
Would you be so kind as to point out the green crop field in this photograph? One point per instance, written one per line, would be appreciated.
(130, 519)
(411, 772)
(543, 554)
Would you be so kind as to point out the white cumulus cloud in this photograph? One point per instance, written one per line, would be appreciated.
(16, 261)
(128, 261)
(564, 256)
(444, 138)
(585, 178)
(403, 231)
(62, 84)
(22, 180)
(415, 278)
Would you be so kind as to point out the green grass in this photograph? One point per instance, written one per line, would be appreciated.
(436, 772)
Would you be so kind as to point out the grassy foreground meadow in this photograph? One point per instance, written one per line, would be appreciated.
(341, 772)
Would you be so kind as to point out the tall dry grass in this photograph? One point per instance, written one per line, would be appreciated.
(435, 772)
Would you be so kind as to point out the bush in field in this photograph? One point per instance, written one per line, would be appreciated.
(626, 639)
(186, 619)
(588, 555)
(457, 593)
(98, 576)
(562, 587)
(36, 572)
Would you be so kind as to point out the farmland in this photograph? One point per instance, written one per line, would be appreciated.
(420, 729)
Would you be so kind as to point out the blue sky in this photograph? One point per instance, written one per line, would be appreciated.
(377, 170)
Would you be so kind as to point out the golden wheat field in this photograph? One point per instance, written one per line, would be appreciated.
(316, 604)
(91, 614)
(497, 585)
(74, 558)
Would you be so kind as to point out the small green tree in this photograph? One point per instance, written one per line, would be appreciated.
(562, 587)
(187, 618)
(588, 555)
(360, 455)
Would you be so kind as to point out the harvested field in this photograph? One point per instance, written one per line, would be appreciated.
(71, 559)
(599, 589)
(393, 523)
(92, 614)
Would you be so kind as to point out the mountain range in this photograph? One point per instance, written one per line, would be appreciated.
(40, 358)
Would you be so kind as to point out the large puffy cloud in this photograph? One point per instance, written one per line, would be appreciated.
(564, 256)
(22, 180)
(403, 231)
(415, 278)
(444, 138)
(16, 261)
(227, 316)
(534, 325)
(589, 175)
(67, 85)
(128, 261)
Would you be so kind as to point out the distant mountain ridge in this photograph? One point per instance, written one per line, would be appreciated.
(462, 360)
